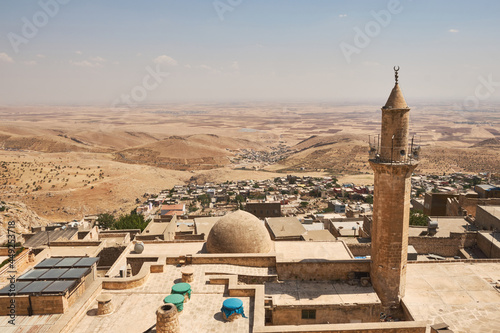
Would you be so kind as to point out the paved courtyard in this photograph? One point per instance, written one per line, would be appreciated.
(460, 294)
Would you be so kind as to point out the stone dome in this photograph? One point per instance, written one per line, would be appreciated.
(239, 232)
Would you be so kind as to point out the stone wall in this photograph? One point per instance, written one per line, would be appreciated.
(486, 220)
(488, 245)
(395, 327)
(326, 314)
(131, 232)
(252, 260)
(443, 246)
(40, 305)
(360, 249)
(321, 270)
(117, 234)
(470, 204)
(21, 263)
(189, 237)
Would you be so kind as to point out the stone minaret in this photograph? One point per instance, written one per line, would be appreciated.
(393, 165)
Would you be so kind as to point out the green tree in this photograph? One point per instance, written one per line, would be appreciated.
(204, 199)
(131, 221)
(105, 220)
(419, 192)
(417, 217)
(369, 199)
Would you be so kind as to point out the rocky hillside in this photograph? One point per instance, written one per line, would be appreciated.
(23, 217)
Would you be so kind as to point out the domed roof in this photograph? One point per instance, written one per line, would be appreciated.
(239, 232)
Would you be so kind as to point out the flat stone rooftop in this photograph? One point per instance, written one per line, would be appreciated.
(297, 251)
(493, 210)
(135, 309)
(460, 294)
(446, 225)
(319, 293)
(33, 324)
(74, 251)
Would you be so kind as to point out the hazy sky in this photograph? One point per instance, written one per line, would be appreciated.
(98, 52)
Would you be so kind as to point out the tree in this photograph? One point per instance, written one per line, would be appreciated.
(105, 221)
(204, 199)
(369, 199)
(419, 192)
(417, 217)
(131, 221)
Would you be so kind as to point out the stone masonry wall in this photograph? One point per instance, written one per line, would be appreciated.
(320, 270)
(489, 248)
(486, 220)
(327, 314)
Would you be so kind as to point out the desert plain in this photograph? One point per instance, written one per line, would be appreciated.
(59, 163)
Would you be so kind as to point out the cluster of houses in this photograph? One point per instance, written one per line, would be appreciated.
(295, 195)
(455, 182)
(256, 159)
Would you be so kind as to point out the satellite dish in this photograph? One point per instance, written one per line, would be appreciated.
(402, 152)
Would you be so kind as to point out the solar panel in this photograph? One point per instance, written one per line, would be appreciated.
(48, 263)
(86, 262)
(34, 274)
(53, 274)
(35, 287)
(75, 273)
(59, 286)
(67, 262)
(18, 286)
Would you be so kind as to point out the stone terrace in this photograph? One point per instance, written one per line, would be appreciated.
(135, 308)
(319, 293)
(460, 294)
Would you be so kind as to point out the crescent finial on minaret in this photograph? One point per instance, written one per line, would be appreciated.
(396, 73)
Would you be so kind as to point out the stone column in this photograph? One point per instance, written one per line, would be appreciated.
(167, 319)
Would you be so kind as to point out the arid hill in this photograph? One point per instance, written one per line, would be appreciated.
(336, 154)
(193, 152)
(488, 143)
